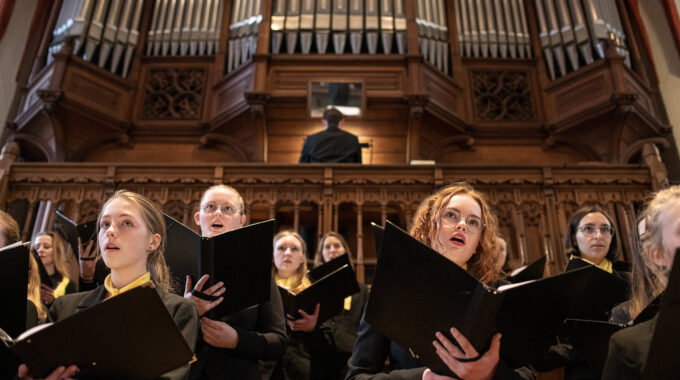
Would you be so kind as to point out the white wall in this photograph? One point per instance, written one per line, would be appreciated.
(11, 50)
(666, 59)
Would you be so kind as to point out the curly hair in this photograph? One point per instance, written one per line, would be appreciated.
(424, 228)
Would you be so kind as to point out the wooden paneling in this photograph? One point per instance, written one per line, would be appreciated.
(523, 197)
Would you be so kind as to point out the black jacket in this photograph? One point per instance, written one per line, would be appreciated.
(331, 145)
(372, 348)
(262, 336)
(628, 351)
(183, 312)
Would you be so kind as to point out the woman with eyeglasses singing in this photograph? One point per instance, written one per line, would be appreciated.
(591, 238)
(457, 222)
(229, 348)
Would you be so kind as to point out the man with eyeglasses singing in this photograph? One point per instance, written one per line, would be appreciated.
(221, 210)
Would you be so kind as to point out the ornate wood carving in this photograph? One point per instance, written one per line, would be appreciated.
(174, 94)
(336, 191)
(502, 95)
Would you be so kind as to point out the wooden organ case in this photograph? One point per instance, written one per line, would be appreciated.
(544, 105)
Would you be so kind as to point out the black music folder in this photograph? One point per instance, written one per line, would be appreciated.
(329, 291)
(615, 288)
(378, 232)
(241, 258)
(416, 292)
(591, 338)
(71, 231)
(130, 336)
(13, 287)
(533, 271)
(662, 362)
(327, 268)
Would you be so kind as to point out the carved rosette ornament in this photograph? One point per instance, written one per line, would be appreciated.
(502, 96)
(174, 94)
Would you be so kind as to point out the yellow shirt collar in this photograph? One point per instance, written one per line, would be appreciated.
(146, 277)
(293, 283)
(605, 264)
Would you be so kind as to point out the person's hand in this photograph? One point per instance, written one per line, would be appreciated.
(429, 375)
(46, 294)
(307, 323)
(87, 258)
(203, 305)
(58, 374)
(481, 368)
(219, 334)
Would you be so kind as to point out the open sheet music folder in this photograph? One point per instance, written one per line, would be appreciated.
(591, 338)
(329, 291)
(241, 258)
(533, 271)
(130, 336)
(71, 231)
(13, 287)
(616, 291)
(416, 292)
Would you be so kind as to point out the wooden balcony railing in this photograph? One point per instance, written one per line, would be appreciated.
(533, 203)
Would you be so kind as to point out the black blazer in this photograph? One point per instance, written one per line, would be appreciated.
(331, 145)
(346, 324)
(628, 351)
(183, 311)
(261, 334)
(372, 348)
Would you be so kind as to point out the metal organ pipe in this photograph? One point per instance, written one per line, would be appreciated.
(572, 30)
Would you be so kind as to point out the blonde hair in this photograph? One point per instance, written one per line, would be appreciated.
(153, 219)
(648, 278)
(662, 201)
(318, 257)
(426, 219)
(300, 280)
(241, 203)
(9, 228)
(34, 286)
(59, 252)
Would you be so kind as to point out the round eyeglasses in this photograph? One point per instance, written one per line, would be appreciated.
(589, 230)
(452, 217)
(226, 208)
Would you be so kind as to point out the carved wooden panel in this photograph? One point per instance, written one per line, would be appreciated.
(320, 197)
(502, 95)
(174, 93)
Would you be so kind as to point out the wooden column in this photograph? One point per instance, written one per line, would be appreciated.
(361, 274)
(336, 216)
(27, 225)
(296, 217)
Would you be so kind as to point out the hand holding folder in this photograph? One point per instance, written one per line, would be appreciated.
(241, 259)
(417, 292)
(72, 231)
(332, 283)
(136, 338)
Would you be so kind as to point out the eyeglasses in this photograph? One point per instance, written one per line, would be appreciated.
(452, 217)
(226, 208)
(589, 230)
